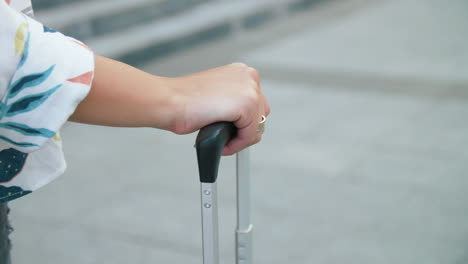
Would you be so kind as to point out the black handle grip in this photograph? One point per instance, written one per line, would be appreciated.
(210, 143)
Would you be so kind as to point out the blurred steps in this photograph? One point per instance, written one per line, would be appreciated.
(45, 4)
(87, 19)
(141, 30)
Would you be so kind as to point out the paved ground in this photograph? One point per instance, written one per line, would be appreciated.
(364, 160)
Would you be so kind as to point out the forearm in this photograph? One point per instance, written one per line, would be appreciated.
(125, 96)
(122, 95)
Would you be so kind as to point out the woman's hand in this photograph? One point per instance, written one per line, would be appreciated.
(228, 93)
(124, 96)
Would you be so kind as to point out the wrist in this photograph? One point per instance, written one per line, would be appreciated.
(167, 104)
(184, 93)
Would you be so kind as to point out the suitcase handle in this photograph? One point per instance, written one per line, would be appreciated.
(209, 144)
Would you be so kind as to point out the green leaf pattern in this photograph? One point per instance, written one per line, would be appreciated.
(47, 78)
(14, 104)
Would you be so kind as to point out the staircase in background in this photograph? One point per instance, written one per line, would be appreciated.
(141, 30)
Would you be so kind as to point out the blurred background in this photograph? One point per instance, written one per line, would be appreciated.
(364, 159)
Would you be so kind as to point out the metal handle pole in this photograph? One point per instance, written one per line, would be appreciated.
(244, 224)
(209, 144)
(209, 206)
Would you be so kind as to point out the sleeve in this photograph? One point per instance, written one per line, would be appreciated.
(44, 75)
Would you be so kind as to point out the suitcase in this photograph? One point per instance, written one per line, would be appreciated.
(209, 145)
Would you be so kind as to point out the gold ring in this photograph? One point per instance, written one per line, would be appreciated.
(261, 125)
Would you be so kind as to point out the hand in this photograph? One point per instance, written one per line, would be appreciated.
(228, 93)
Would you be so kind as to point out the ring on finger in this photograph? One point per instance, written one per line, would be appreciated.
(261, 125)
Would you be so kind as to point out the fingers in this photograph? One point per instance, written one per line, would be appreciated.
(266, 106)
(228, 93)
(244, 139)
(255, 106)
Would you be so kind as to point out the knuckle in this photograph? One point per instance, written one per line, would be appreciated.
(252, 84)
(257, 138)
(239, 64)
(254, 74)
(252, 97)
(267, 109)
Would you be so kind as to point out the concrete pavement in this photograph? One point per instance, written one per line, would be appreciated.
(364, 159)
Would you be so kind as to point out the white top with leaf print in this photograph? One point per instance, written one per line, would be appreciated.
(44, 75)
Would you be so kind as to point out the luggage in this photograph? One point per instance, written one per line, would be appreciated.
(209, 144)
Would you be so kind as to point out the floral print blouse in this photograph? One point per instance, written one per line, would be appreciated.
(43, 77)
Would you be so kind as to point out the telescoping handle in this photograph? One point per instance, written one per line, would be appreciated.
(209, 144)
